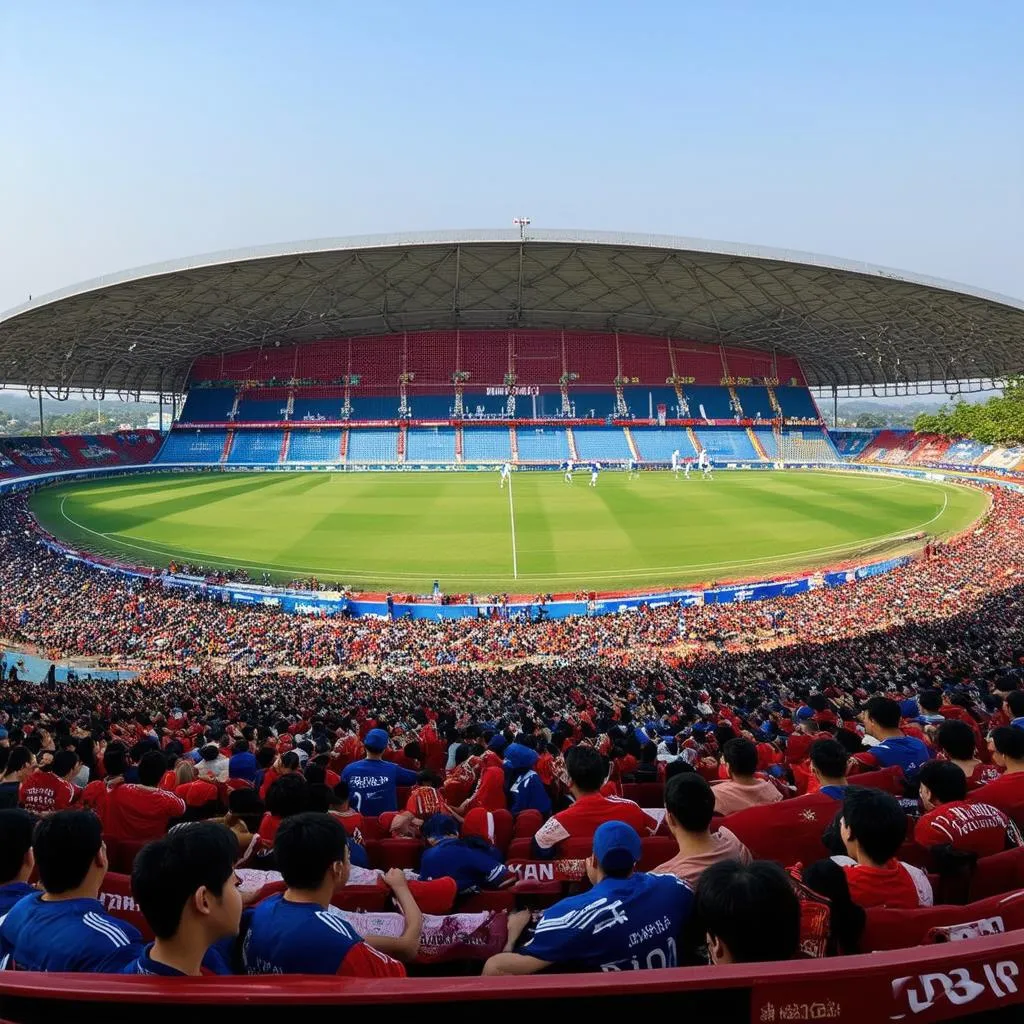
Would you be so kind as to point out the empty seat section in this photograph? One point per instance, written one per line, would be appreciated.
(796, 403)
(715, 402)
(193, 446)
(592, 404)
(542, 444)
(374, 407)
(754, 401)
(261, 447)
(657, 445)
(372, 446)
(207, 405)
(807, 446)
(430, 445)
(261, 410)
(605, 444)
(479, 403)
(486, 444)
(643, 402)
(768, 441)
(318, 408)
(432, 407)
(727, 444)
(315, 446)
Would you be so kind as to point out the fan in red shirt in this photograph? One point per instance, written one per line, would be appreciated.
(950, 820)
(142, 811)
(50, 789)
(489, 793)
(956, 740)
(1006, 792)
(587, 773)
(115, 764)
(873, 827)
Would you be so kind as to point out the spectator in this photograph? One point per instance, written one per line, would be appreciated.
(956, 740)
(213, 766)
(629, 920)
(64, 927)
(287, 797)
(489, 792)
(743, 788)
(142, 811)
(1006, 792)
(20, 764)
(526, 790)
(242, 766)
(846, 920)
(352, 821)
(873, 827)
(1013, 705)
(50, 789)
(373, 782)
(300, 932)
(881, 718)
(689, 808)
(472, 862)
(16, 860)
(115, 767)
(749, 912)
(950, 820)
(187, 889)
(587, 773)
(424, 800)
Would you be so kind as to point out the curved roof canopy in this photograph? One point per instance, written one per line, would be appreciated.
(850, 324)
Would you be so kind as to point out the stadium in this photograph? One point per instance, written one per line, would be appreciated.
(538, 521)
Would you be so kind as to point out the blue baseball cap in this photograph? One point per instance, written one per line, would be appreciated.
(518, 756)
(804, 713)
(377, 741)
(616, 846)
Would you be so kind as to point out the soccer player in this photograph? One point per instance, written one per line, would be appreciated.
(373, 782)
(506, 473)
(186, 886)
(595, 468)
(300, 932)
(675, 463)
(628, 921)
(64, 927)
(705, 463)
(686, 469)
(568, 470)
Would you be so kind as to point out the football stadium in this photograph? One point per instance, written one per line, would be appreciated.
(493, 604)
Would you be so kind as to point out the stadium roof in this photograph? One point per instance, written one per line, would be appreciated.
(851, 324)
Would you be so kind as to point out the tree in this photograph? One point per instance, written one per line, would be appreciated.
(999, 421)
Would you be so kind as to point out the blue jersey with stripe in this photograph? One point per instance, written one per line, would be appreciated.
(12, 892)
(67, 935)
(373, 785)
(468, 864)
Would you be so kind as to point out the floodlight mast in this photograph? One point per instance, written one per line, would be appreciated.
(522, 223)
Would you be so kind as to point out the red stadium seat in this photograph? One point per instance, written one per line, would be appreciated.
(888, 779)
(646, 794)
(1000, 873)
(656, 850)
(398, 853)
(121, 853)
(497, 825)
(118, 901)
(526, 824)
(491, 900)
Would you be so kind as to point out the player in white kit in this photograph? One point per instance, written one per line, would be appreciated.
(568, 471)
(686, 469)
(595, 468)
(506, 473)
(634, 468)
(675, 463)
(705, 463)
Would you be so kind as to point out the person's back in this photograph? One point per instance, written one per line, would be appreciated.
(373, 782)
(743, 789)
(65, 928)
(49, 790)
(1006, 792)
(142, 811)
(472, 863)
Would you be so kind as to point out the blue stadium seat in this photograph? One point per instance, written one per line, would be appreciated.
(431, 407)
(374, 407)
(542, 444)
(964, 453)
(207, 405)
(604, 444)
(430, 444)
(371, 446)
(768, 441)
(796, 403)
(261, 447)
(312, 445)
(593, 404)
(727, 444)
(755, 400)
(643, 402)
(486, 444)
(193, 446)
(850, 443)
(480, 403)
(657, 444)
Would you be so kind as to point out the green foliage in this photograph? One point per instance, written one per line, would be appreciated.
(999, 421)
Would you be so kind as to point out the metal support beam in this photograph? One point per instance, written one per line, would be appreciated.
(835, 406)
(160, 414)
(42, 433)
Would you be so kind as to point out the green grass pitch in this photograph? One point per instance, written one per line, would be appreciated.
(404, 530)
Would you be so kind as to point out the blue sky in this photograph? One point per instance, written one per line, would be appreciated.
(141, 131)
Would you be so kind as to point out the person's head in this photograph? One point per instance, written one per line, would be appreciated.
(240, 746)
(288, 795)
(1007, 744)
(586, 769)
(689, 803)
(941, 782)
(185, 883)
(1014, 703)
(312, 852)
(115, 760)
(846, 918)
(616, 851)
(246, 805)
(439, 827)
(956, 740)
(210, 753)
(341, 793)
(69, 852)
(65, 764)
(184, 772)
(881, 717)
(20, 762)
(16, 858)
(428, 778)
(749, 912)
(873, 826)
(930, 701)
(828, 762)
(290, 763)
(376, 742)
(152, 768)
(741, 757)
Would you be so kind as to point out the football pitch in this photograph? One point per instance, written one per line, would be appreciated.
(402, 531)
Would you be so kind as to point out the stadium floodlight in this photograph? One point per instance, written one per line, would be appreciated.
(522, 223)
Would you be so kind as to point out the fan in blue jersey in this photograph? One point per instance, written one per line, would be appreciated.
(16, 861)
(628, 921)
(881, 718)
(526, 789)
(300, 932)
(64, 927)
(472, 862)
(373, 782)
(187, 889)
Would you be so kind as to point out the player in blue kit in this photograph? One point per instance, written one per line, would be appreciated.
(16, 862)
(628, 921)
(373, 782)
(300, 932)
(64, 927)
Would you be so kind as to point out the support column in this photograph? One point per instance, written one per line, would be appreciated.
(835, 407)
(41, 431)
(160, 415)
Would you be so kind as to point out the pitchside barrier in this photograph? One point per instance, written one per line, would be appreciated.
(976, 980)
(327, 603)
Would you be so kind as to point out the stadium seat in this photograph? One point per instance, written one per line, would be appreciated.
(526, 824)
(601, 444)
(118, 901)
(1002, 872)
(646, 794)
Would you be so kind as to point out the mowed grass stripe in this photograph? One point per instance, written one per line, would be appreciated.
(407, 529)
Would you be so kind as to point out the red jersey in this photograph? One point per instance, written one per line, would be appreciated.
(43, 793)
(490, 790)
(982, 775)
(1006, 793)
(895, 885)
(424, 801)
(580, 821)
(94, 796)
(198, 793)
(138, 812)
(978, 828)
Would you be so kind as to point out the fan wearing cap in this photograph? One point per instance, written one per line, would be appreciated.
(471, 861)
(628, 921)
(373, 782)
